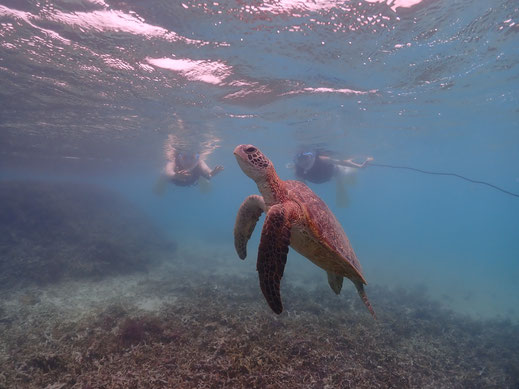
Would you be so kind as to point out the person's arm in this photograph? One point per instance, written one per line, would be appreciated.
(206, 170)
(347, 162)
(169, 170)
(170, 173)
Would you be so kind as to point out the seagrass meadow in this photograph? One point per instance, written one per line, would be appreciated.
(182, 327)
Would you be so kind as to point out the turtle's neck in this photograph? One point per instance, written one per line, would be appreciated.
(272, 188)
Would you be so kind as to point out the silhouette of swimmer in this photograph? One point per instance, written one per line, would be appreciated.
(318, 167)
(185, 168)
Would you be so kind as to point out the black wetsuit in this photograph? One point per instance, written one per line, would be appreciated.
(187, 180)
(321, 171)
(191, 179)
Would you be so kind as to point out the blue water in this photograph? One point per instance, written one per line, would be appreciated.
(91, 89)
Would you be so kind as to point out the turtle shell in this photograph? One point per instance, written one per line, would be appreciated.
(326, 231)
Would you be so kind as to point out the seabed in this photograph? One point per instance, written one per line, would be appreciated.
(181, 327)
(195, 319)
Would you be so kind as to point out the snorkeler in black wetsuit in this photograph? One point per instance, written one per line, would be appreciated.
(186, 169)
(317, 167)
(309, 166)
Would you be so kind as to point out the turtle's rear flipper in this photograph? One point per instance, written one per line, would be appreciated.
(360, 289)
(335, 282)
(248, 215)
(273, 250)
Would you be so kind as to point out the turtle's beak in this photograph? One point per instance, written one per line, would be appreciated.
(237, 149)
(240, 156)
(239, 153)
(243, 160)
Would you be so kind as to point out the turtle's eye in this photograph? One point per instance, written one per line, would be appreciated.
(250, 149)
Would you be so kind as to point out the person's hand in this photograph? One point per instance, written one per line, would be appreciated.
(216, 170)
(184, 172)
(369, 159)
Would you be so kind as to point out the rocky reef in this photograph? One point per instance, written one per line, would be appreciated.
(51, 231)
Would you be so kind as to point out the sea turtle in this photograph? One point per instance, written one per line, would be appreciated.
(295, 216)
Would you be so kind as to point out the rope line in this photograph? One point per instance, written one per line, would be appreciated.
(444, 174)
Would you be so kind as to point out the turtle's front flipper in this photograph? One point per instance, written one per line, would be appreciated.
(273, 250)
(335, 282)
(248, 215)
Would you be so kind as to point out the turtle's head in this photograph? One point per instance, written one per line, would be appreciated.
(252, 162)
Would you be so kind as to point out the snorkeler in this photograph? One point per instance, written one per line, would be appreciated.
(185, 168)
(318, 167)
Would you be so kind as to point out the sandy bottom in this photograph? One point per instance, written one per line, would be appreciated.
(202, 322)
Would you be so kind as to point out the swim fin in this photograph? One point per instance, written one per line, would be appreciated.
(204, 185)
(160, 186)
(342, 181)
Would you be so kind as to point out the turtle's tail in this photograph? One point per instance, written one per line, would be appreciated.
(362, 293)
